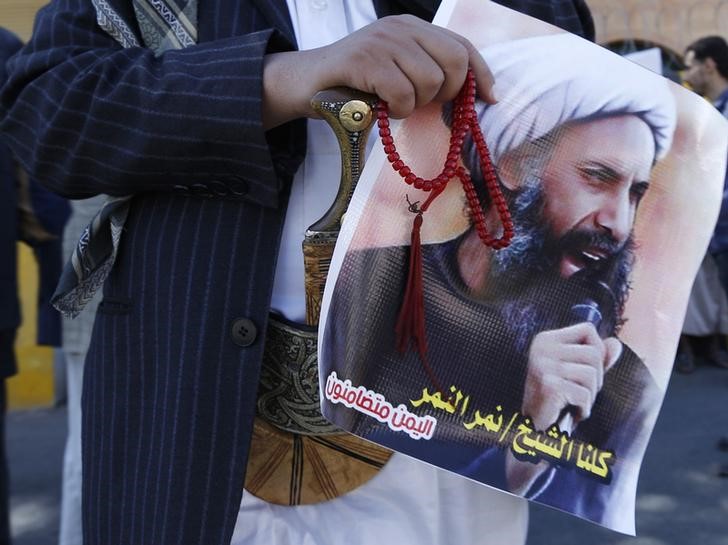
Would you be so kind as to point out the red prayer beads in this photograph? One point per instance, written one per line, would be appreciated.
(464, 119)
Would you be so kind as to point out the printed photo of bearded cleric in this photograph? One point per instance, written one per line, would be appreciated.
(529, 334)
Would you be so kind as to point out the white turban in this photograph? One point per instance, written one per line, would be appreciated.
(546, 81)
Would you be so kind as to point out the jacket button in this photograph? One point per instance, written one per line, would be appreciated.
(238, 187)
(244, 332)
(200, 190)
(218, 188)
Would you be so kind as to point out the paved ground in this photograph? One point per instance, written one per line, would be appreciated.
(35, 441)
(681, 501)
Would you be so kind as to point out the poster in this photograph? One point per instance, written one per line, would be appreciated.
(548, 360)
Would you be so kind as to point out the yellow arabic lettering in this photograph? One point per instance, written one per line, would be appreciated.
(424, 399)
(435, 400)
(477, 421)
(465, 405)
(552, 443)
(490, 423)
(602, 468)
(523, 442)
(586, 462)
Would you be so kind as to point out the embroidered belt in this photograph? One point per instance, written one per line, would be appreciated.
(288, 393)
(297, 457)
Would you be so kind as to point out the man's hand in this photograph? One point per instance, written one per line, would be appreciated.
(402, 59)
(566, 368)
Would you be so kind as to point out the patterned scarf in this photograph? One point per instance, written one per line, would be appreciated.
(164, 25)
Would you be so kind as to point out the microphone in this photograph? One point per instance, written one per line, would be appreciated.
(586, 311)
(595, 303)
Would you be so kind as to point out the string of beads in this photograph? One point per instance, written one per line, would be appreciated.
(464, 119)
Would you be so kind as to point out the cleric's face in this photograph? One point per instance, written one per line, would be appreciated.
(593, 182)
(574, 213)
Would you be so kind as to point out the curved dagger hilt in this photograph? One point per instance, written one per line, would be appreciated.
(351, 115)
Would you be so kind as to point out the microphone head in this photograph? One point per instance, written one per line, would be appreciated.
(595, 303)
(587, 311)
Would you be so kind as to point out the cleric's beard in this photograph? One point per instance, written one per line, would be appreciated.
(523, 256)
(526, 276)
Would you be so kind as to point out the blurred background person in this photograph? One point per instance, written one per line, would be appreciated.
(706, 62)
(706, 322)
(9, 305)
(52, 212)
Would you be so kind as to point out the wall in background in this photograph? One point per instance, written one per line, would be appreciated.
(17, 15)
(671, 23)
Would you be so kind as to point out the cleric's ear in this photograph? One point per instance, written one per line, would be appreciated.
(517, 166)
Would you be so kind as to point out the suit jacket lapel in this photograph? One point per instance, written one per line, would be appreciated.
(276, 12)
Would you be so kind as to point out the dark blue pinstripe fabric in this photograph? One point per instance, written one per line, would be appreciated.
(168, 397)
(9, 305)
(202, 102)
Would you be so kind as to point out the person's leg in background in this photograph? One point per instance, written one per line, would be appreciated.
(60, 389)
(7, 363)
(70, 531)
(721, 259)
(4, 478)
(685, 359)
(706, 320)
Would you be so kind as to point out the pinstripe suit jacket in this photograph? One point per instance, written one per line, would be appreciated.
(169, 396)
